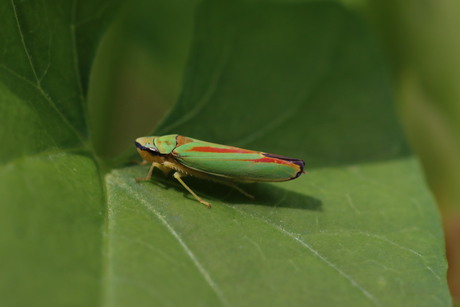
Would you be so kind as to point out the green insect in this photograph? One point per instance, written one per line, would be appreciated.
(220, 163)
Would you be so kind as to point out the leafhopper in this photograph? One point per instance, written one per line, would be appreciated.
(220, 163)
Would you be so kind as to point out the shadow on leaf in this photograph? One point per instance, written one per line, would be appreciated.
(265, 194)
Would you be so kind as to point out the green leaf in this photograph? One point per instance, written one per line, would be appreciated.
(306, 81)
(52, 211)
(303, 80)
(51, 231)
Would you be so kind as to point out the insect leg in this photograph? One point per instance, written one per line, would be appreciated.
(231, 184)
(178, 176)
(149, 175)
(234, 186)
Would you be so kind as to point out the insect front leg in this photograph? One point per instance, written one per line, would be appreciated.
(178, 176)
(149, 174)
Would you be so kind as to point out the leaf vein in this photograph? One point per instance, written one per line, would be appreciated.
(37, 83)
(75, 52)
(185, 247)
(353, 282)
(21, 34)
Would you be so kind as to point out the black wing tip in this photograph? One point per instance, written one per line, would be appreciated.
(298, 162)
(301, 164)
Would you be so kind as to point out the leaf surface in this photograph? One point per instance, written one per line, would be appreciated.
(52, 212)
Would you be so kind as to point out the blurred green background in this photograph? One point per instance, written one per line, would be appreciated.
(422, 41)
(144, 54)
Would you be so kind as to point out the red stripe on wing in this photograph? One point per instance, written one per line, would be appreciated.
(268, 160)
(281, 160)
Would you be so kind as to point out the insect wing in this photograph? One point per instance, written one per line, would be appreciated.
(236, 163)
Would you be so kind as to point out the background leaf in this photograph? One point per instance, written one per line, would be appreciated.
(316, 54)
(137, 75)
(303, 80)
(424, 46)
(52, 200)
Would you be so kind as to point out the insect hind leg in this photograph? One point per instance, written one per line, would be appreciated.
(178, 176)
(234, 186)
